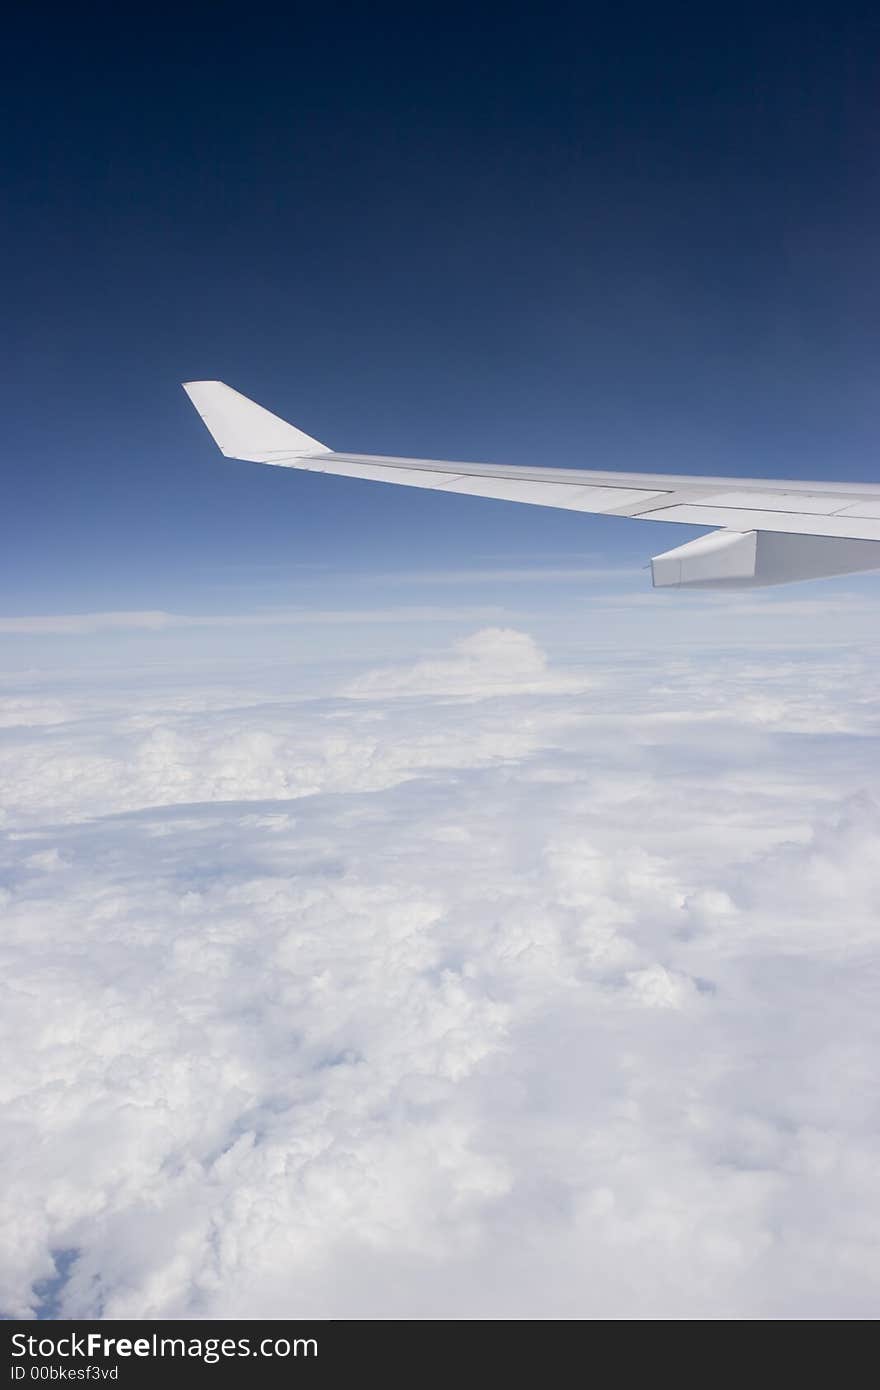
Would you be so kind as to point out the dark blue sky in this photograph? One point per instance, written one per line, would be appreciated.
(610, 235)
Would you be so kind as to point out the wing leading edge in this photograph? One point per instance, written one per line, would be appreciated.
(774, 531)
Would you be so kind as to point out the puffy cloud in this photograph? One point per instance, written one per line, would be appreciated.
(495, 661)
(545, 990)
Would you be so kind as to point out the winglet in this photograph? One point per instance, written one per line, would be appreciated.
(244, 430)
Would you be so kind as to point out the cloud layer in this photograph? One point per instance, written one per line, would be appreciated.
(483, 987)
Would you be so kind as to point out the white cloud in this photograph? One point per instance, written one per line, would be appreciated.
(519, 574)
(82, 624)
(495, 661)
(543, 991)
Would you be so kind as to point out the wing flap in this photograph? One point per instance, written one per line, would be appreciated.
(548, 494)
(740, 519)
(865, 509)
(376, 473)
(816, 504)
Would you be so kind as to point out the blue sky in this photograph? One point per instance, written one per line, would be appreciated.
(603, 236)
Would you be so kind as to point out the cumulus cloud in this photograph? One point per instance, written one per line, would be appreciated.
(545, 990)
(495, 661)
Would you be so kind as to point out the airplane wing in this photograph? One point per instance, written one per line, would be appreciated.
(772, 532)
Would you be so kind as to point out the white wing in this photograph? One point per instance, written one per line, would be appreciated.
(774, 531)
